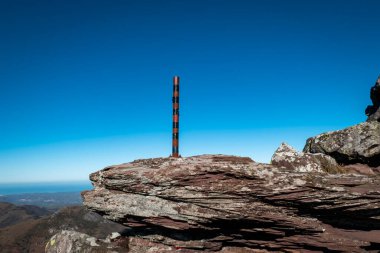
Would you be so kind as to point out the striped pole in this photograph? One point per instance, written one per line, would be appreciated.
(175, 150)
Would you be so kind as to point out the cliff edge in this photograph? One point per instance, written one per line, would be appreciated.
(326, 198)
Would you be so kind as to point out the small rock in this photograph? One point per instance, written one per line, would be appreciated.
(114, 235)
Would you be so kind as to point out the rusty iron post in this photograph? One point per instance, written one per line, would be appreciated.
(175, 139)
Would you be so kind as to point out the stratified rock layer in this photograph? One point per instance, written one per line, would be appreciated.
(218, 203)
(356, 144)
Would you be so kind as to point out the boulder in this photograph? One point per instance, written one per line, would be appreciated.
(373, 111)
(76, 242)
(286, 156)
(374, 116)
(218, 203)
(356, 144)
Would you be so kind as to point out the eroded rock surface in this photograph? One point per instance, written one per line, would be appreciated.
(217, 203)
(286, 156)
(76, 242)
(361, 169)
(356, 144)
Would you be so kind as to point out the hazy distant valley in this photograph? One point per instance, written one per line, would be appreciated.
(51, 201)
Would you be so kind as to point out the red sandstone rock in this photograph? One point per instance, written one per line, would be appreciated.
(232, 204)
(359, 168)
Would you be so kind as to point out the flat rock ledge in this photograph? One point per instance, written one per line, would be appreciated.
(218, 203)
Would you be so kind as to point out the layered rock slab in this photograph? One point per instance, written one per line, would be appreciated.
(216, 202)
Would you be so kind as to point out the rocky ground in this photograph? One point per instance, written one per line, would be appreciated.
(212, 202)
(324, 199)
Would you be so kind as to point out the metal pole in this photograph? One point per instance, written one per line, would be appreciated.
(175, 139)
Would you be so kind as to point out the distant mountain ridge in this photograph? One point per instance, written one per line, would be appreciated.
(11, 214)
(28, 228)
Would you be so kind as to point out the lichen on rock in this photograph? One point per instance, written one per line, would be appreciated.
(356, 144)
(286, 156)
(214, 202)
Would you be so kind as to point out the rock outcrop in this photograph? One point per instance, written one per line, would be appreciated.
(356, 144)
(217, 203)
(325, 199)
(286, 156)
(373, 111)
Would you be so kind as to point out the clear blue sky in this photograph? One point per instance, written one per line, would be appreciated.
(85, 84)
